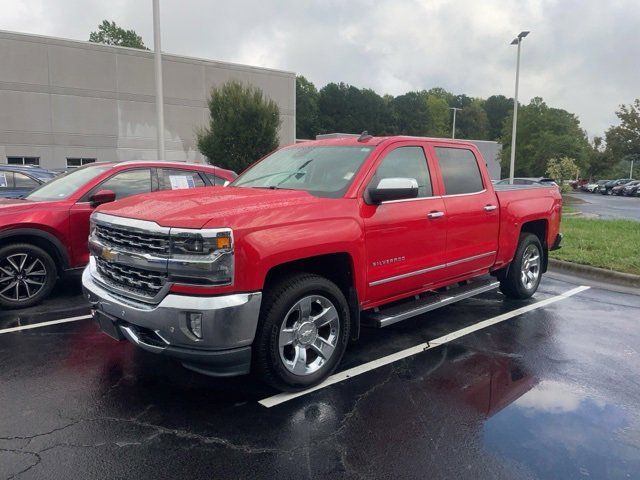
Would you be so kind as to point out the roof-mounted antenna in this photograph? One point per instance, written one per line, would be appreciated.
(364, 136)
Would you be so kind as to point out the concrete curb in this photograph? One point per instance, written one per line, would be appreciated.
(595, 273)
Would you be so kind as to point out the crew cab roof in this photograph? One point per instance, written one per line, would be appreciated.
(375, 141)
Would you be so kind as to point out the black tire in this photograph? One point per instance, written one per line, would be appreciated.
(29, 291)
(512, 284)
(277, 303)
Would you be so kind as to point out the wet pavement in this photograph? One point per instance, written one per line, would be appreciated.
(552, 393)
(607, 206)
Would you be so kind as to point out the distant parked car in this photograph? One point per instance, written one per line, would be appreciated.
(43, 236)
(595, 186)
(18, 180)
(529, 181)
(630, 189)
(617, 190)
(607, 188)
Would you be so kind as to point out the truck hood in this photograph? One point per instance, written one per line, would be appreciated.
(216, 206)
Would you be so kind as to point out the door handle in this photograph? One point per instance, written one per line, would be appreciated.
(435, 214)
(490, 208)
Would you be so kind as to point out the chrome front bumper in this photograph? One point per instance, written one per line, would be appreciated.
(229, 325)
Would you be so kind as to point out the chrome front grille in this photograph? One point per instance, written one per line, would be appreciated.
(142, 282)
(135, 241)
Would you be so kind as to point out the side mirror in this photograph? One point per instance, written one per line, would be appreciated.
(102, 196)
(394, 189)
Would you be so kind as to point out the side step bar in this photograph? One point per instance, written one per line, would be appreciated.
(398, 311)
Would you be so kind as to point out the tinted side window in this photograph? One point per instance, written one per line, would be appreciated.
(23, 181)
(127, 183)
(460, 171)
(215, 180)
(174, 179)
(406, 162)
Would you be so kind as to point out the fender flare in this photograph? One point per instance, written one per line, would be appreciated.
(62, 257)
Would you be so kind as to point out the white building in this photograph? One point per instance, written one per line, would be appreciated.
(65, 102)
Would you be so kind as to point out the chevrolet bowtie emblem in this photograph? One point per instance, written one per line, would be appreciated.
(108, 254)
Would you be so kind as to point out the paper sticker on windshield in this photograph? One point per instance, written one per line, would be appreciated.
(179, 182)
(348, 176)
(3, 180)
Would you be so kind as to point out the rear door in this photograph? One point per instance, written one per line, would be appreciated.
(472, 211)
(404, 239)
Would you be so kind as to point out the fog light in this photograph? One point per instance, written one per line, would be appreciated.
(195, 324)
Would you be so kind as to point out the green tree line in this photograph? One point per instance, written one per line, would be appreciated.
(544, 132)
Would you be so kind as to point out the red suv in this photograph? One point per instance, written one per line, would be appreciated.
(44, 235)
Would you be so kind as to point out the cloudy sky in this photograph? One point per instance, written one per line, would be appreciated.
(582, 55)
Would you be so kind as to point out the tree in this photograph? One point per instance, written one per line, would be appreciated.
(307, 110)
(111, 34)
(439, 123)
(412, 113)
(497, 108)
(561, 169)
(544, 133)
(624, 139)
(243, 126)
(472, 121)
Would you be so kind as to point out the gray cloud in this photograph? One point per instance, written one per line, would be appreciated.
(581, 55)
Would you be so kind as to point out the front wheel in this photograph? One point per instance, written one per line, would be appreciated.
(303, 332)
(525, 271)
(27, 275)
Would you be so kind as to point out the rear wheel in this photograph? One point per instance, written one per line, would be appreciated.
(27, 275)
(303, 332)
(524, 274)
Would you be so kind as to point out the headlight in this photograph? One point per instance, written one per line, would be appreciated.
(203, 257)
(199, 242)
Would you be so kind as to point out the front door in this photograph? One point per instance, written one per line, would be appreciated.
(405, 239)
(472, 212)
(124, 184)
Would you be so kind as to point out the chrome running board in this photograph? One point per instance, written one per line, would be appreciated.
(399, 311)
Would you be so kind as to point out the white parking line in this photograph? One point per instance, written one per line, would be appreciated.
(45, 324)
(394, 357)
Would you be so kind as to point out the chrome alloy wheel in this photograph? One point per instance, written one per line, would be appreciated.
(530, 270)
(309, 335)
(22, 276)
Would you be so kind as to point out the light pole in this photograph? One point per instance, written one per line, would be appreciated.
(453, 128)
(158, 73)
(516, 41)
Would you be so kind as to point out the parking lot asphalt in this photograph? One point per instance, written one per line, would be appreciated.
(607, 206)
(549, 393)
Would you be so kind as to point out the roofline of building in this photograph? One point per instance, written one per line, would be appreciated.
(45, 39)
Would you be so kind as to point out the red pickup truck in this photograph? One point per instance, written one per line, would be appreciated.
(277, 272)
(43, 235)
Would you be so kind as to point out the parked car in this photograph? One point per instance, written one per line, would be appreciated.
(617, 190)
(595, 187)
(18, 180)
(528, 181)
(607, 188)
(279, 269)
(630, 188)
(44, 235)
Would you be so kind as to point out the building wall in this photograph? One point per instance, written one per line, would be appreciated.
(61, 98)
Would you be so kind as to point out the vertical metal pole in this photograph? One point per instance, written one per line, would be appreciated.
(158, 74)
(631, 172)
(453, 130)
(515, 118)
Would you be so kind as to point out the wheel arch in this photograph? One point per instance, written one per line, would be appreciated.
(48, 242)
(337, 267)
(539, 228)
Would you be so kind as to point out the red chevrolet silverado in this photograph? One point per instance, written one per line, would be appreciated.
(277, 272)
(43, 236)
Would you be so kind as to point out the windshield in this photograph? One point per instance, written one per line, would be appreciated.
(66, 185)
(323, 171)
